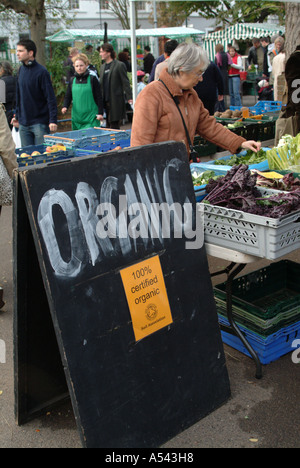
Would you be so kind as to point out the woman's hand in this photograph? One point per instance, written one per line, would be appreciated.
(252, 145)
(64, 110)
(99, 117)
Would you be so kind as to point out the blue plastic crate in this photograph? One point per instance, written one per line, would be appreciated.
(41, 158)
(262, 166)
(102, 148)
(200, 190)
(269, 348)
(261, 107)
(86, 137)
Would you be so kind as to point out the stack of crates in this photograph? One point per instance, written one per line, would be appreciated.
(77, 143)
(87, 137)
(266, 308)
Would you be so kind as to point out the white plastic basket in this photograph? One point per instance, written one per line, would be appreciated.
(269, 238)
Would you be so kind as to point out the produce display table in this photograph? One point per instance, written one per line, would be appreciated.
(238, 262)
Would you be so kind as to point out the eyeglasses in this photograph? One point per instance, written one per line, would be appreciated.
(199, 74)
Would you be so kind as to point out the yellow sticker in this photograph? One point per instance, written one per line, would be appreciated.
(270, 175)
(147, 297)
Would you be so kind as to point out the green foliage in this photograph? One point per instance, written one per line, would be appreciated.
(229, 12)
(57, 70)
(95, 60)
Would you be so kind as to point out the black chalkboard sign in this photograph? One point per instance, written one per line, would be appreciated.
(97, 240)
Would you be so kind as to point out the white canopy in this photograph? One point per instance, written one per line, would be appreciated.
(67, 35)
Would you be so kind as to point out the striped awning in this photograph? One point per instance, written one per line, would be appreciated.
(238, 32)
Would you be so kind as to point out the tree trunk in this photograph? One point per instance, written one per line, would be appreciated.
(38, 34)
(292, 27)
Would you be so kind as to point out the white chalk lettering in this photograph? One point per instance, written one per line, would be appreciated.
(142, 209)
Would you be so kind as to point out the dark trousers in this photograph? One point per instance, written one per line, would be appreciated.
(110, 123)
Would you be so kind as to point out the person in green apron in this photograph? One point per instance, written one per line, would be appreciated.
(84, 92)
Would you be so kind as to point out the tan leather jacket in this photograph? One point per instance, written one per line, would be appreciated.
(7, 145)
(156, 117)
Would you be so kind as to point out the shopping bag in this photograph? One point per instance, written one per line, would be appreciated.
(16, 137)
(6, 191)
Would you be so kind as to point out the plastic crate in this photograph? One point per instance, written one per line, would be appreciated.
(268, 116)
(262, 166)
(43, 157)
(265, 300)
(86, 137)
(102, 148)
(204, 147)
(268, 349)
(200, 190)
(253, 76)
(262, 107)
(269, 238)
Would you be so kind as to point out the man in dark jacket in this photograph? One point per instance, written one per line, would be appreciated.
(257, 57)
(211, 88)
(36, 108)
(148, 60)
(115, 87)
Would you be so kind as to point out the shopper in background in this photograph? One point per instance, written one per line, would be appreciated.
(169, 47)
(115, 87)
(140, 81)
(6, 75)
(265, 43)
(84, 92)
(211, 88)
(36, 107)
(148, 60)
(159, 60)
(257, 56)
(68, 63)
(222, 60)
(234, 81)
(278, 69)
(278, 47)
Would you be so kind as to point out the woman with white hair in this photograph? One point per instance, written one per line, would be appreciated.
(157, 118)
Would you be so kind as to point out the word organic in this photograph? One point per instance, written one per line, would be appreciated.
(128, 213)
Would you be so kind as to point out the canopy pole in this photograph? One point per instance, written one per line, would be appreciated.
(133, 51)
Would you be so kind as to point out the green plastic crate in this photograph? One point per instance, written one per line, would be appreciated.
(265, 300)
(204, 147)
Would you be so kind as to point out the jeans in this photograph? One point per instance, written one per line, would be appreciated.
(33, 134)
(234, 91)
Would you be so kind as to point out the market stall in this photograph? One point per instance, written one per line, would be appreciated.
(237, 32)
(252, 211)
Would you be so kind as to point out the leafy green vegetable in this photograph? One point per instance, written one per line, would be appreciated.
(249, 158)
(236, 124)
(204, 177)
(286, 154)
